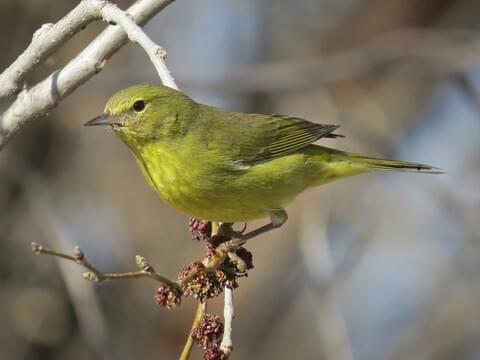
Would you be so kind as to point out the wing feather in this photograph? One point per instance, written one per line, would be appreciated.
(290, 135)
(253, 138)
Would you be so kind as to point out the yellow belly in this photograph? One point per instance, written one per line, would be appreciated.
(208, 187)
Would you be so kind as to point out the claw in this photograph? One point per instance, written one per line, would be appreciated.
(244, 228)
(226, 230)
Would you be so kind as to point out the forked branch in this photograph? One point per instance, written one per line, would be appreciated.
(34, 102)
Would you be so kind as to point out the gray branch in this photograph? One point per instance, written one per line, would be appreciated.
(45, 41)
(135, 33)
(228, 315)
(36, 101)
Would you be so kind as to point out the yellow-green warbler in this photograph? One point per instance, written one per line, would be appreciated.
(227, 166)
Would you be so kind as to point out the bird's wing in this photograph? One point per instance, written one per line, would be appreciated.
(254, 139)
(289, 135)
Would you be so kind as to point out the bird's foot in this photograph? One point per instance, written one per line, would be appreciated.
(226, 231)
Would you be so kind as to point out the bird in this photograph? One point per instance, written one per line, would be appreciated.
(226, 166)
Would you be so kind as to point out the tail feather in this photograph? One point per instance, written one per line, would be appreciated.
(375, 164)
(336, 164)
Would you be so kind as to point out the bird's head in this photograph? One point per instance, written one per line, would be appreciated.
(144, 112)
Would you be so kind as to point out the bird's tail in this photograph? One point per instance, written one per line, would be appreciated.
(375, 164)
(335, 164)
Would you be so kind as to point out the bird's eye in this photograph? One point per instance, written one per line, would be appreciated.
(138, 105)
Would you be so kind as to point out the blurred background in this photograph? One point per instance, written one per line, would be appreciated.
(373, 267)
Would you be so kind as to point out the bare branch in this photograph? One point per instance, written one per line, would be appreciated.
(228, 315)
(45, 41)
(187, 348)
(34, 102)
(145, 269)
(112, 13)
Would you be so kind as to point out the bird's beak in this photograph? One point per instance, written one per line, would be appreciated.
(104, 119)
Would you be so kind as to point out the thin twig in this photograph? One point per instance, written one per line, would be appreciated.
(146, 270)
(228, 315)
(199, 312)
(135, 33)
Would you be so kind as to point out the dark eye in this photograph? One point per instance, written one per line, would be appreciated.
(138, 105)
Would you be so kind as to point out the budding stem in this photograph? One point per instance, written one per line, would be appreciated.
(146, 270)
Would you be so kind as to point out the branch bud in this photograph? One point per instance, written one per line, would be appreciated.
(143, 265)
(37, 248)
(78, 254)
(90, 276)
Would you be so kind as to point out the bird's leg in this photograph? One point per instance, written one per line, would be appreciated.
(278, 217)
(258, 231)
(226, 230)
